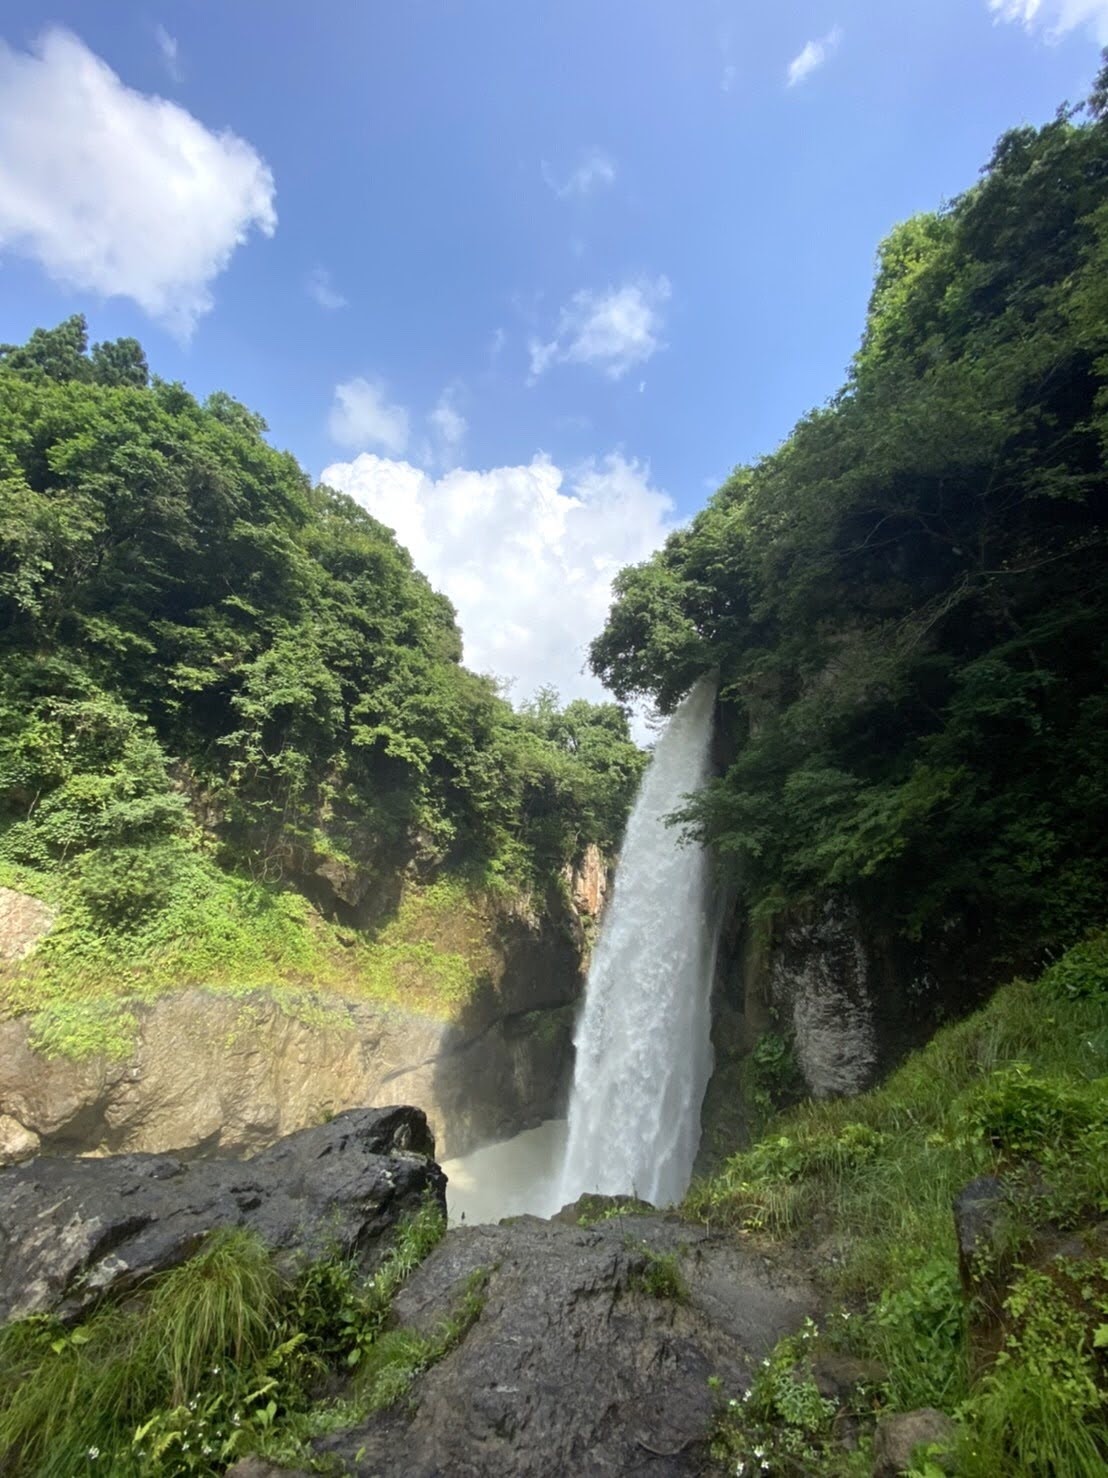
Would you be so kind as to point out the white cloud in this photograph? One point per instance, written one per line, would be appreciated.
(448, 424)
(1055, 17)
(322, 289)
(527, 554)
(361, 416)
(115, 192)
(168, 47)
(497, 339)
(595, 171)
(612, 330)
(813, 56)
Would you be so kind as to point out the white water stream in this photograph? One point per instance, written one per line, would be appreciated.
(644, 1052)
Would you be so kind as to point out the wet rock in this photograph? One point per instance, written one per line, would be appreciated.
(592, 1207)
(898, 1437)
(74, 1231)
(571, 1367)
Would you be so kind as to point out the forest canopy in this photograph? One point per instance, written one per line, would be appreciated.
(907, 601)
(202, 650)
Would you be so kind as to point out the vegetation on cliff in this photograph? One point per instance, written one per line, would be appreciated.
(224, 690)
(864, 1188)
(219, 1357)
(906, 601)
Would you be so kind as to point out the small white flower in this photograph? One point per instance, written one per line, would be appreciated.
(759, 1452)
(765, 1362)
(206, 1450)
(740, 1468)
(93, 1454)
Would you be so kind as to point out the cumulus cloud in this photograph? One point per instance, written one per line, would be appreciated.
(813, 56)
(527, 554)
(612, 330)
(323, 291)
(1055, 17)
(115, 192)
(362, 416)
(595, 171)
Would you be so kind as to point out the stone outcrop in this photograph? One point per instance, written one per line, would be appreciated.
(899, 1437)
(24, 922)
(218, 1073)
(573, 1366)
(76, 1231)
(848, 994)
(227, 1075)
(589, 882)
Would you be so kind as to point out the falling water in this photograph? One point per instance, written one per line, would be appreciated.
(643, 1048)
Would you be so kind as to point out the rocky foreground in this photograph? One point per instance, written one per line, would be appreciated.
(593, 1349)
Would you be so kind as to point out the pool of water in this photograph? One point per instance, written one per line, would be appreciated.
(507, 1179)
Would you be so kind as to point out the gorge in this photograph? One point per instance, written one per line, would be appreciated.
(294, 906)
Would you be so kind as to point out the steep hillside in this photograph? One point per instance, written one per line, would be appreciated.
(907, 607)
(238, 747)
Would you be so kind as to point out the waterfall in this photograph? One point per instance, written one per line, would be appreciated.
(643, 1043)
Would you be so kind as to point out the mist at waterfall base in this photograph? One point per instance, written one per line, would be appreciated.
(643, 1041)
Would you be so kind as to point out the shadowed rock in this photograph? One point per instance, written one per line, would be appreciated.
(74, 1231)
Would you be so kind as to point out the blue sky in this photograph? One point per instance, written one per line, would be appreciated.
(527, 279)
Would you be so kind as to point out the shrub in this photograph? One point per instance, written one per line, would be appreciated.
(1022, 1112)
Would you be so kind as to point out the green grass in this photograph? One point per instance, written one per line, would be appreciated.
(661, 1275)
(212, 1360)
(867, 1185)
(228, 934)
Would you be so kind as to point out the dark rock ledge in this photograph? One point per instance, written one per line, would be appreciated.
(75, 1231)
(573, 1366)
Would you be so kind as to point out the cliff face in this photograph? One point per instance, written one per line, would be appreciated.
(844, 995)
(200, 1070)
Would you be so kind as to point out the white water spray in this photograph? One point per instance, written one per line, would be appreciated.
(643, 1043)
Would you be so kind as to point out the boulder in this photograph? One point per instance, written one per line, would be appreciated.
(593, 1206)
(16, 1142)
(572, 1365)
(980, 1211)
(899, 1437)
(24, 922)
(75, 1231)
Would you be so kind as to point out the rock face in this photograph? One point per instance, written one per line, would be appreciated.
(228, 1075)
(849, 995)
(573, 1367)
(24, 921)
(220, 1074)
(589, 882)
(73, 1231)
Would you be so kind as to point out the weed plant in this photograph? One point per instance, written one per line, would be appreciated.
(215, 1359)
